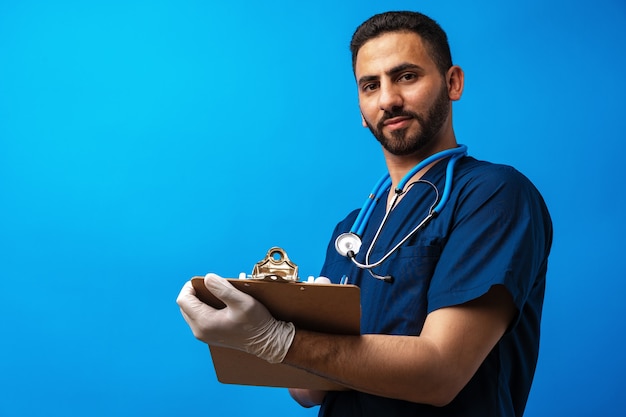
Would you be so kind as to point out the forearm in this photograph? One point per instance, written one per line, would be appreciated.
(431, 368)
(402, 367)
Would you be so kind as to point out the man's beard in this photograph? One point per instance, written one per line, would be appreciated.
(399, 143)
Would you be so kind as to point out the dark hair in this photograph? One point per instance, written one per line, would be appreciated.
(426, 28)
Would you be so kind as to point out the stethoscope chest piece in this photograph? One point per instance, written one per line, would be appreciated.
(348, 244)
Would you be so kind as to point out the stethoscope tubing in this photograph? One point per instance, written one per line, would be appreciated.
(459, 150)
(447, 189)
(368, 265)
(383, 184)
(368, 208)
(379, 189)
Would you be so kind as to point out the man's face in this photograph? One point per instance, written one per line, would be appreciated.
(402, 96)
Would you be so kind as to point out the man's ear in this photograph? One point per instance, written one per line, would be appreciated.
(363, 122)
(455, 80)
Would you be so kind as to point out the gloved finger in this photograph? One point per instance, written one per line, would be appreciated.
(195, 324)
(226, 292)
(189, 303)
(186, 293)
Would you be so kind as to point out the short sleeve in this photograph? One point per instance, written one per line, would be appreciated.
(500, 234)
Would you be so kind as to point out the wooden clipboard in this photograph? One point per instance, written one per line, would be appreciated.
(328, 308)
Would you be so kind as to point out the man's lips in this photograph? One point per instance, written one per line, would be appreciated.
(397, 122)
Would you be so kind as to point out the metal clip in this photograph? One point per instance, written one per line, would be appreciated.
(276, 267)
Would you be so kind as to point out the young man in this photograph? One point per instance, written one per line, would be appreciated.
(456, 331)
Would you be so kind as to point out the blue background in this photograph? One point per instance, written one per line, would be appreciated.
(143, 142)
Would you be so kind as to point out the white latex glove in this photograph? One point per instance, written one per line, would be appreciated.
(244, 324)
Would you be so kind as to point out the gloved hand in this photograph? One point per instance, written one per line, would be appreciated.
(244, 324)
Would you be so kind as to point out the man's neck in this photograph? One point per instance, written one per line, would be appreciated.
(399, 165)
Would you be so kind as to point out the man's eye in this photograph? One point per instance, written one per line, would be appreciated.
(407, 76)
(369, 87)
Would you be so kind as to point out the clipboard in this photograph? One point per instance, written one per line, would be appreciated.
(327, 308)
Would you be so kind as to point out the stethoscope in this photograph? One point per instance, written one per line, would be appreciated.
(349, 244)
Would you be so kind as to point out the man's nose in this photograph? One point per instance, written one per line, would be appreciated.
(390, 97)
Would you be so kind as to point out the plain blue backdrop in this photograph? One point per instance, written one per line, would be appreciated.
(143, 142)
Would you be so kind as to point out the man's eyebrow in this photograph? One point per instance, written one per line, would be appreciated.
(398, 68)
(367, 78)
(403, 67)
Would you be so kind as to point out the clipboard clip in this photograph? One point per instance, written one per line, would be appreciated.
(275, 267)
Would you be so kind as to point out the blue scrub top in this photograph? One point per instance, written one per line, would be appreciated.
(495, 229)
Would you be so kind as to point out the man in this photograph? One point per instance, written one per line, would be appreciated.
(456, 333)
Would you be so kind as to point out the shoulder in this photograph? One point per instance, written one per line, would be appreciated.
(346, 223)
(476, 172)
(486, 181)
